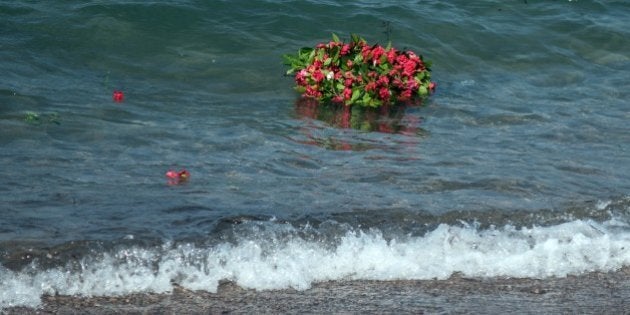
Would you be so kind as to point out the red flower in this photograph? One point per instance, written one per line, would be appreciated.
(377, 52)
(347, 93)
(409, 68)
(432, 86)
(405, 95)
(384, 93)
(118, 96)
(370, 86)
(183, 175)
(365, 52)
(313, 91)
(383, 80)
(391, 55)
(318, 76)
(401, 59)
(317, 64)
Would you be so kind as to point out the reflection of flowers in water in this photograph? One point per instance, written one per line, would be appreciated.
(387, 119)
(392, 119)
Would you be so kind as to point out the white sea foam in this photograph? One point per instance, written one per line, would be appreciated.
(539, 252)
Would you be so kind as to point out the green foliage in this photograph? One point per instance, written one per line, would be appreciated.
(34, 118)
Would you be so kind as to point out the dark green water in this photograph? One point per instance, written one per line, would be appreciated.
(528, 128)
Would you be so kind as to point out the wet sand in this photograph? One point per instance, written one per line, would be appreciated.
(592, 293)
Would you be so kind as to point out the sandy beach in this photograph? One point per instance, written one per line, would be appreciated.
(592, 293)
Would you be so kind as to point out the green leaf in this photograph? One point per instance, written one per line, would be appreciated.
(334, 53)
(288, 59)
(320, 54)
(31, 118)
(423, 91)
(335, 38)
(355, 38)
(366, 98)
(384, 66)
(356, 93)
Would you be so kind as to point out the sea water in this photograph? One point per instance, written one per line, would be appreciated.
(519, 165)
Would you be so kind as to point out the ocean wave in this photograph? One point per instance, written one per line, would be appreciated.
(282, 262)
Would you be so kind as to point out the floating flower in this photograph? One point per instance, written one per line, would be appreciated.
(118, 96)
(357, 73)
(175, 178)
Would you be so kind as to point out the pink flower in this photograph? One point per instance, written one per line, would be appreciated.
(300, 77)
(412, 85)
(432, 86)
(175, 178)
(413, 56)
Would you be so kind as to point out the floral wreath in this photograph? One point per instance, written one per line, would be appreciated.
(356, 73)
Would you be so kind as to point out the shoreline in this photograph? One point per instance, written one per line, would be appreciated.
(590, 293)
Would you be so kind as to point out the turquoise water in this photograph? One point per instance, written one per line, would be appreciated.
(528, 130)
